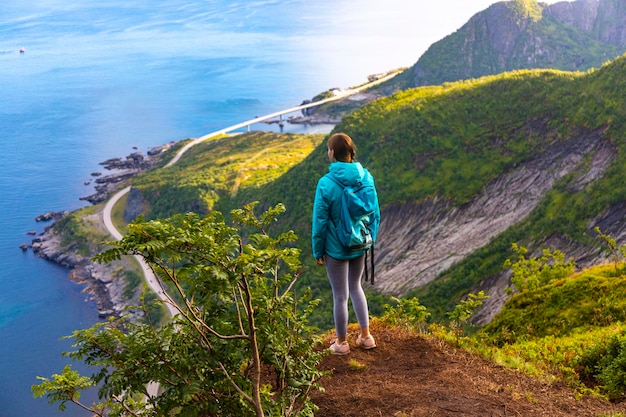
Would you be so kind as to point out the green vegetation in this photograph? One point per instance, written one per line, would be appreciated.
(240, 344)
(530, 274)
(570, 329)
(527, 8)
(408, 313)
(220, 169)
(526, 38)
(80, 233)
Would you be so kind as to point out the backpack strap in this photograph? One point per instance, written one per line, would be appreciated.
(372, 263)
(336, 181)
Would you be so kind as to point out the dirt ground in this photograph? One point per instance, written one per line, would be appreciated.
(409, 376)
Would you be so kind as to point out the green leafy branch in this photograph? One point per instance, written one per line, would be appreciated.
(240, 343)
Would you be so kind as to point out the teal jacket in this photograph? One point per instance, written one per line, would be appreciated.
(327, 210)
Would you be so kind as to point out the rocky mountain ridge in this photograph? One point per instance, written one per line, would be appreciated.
(601, 19)
(571, 36)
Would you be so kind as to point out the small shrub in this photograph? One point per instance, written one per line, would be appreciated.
(606, 364)
(463, 311)
(532, 273)
(408, 313)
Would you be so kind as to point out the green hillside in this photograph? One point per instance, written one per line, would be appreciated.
(221, 169)
(571, 329)
(447, 141)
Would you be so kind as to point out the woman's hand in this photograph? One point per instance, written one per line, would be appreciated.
(320, 261)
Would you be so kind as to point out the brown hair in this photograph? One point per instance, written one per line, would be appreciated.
(343, 146)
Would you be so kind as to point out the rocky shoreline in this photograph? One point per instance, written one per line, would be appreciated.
(126, 168)
(82, 271)
(98, 280)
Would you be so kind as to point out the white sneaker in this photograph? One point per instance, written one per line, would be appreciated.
(366, 342)
(339, 349)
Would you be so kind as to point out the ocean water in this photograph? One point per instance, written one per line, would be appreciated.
(100, 79)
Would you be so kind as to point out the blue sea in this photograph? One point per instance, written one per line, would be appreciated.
(98, 80)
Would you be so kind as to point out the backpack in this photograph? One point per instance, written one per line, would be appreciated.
(358, 203)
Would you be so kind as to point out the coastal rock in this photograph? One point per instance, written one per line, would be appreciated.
(108, 185)
(315, 119)
(48, 246)
(98, 280)
(128, 167)
(81, 274)
(51, 215)
(157, 150)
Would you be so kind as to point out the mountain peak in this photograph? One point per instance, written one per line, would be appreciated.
(524, 34)
(527, 8)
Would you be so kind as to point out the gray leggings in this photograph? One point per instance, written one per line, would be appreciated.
(345, 279)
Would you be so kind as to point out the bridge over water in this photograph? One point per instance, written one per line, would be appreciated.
(246, 124)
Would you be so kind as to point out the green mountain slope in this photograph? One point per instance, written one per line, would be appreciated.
(441, 156)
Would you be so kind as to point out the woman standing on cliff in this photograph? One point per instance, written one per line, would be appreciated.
(343, 265)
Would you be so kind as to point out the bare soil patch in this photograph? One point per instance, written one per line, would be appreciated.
(410, 376)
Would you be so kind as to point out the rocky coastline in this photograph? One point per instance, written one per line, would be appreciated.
(98, 280)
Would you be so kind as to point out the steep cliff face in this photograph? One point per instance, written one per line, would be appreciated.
(603, 20)
(609, 25)
(419, 241)
(581, 14)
